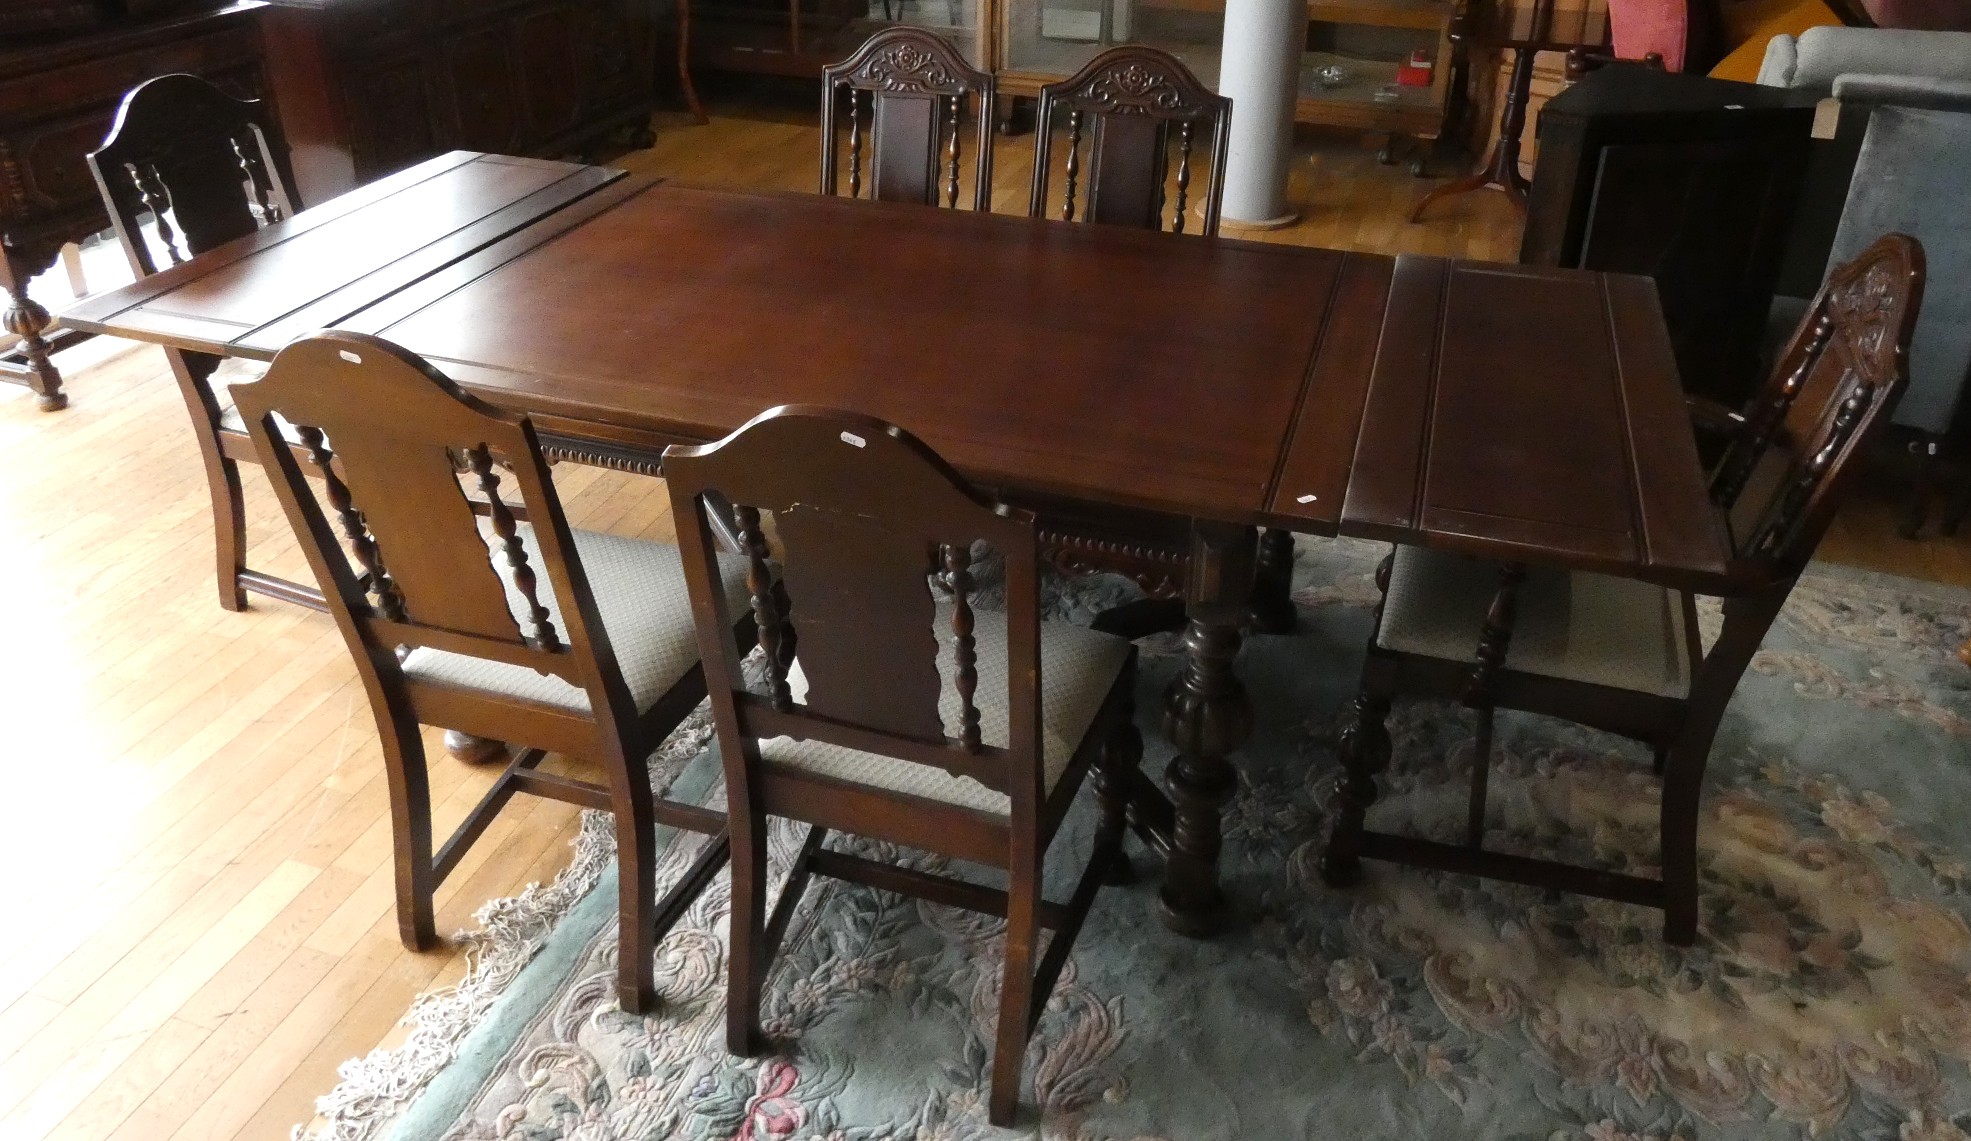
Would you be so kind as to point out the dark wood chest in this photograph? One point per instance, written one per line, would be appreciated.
(367, 87)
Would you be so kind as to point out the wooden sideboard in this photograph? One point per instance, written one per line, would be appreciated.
(58, 95)
(368, 87)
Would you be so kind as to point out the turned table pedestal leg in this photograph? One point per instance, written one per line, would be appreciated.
(1206, 715)
(474, 750)
(27, 319)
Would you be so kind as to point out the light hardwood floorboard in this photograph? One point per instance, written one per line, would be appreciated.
(200, 924)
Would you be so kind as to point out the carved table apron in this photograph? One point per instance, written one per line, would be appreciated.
(1217, 385)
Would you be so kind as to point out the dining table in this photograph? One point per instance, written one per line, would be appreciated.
(1216, 386)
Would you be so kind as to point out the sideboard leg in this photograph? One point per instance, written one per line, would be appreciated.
(26, 319)
(1207, 715)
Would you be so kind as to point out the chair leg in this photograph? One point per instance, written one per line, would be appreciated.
(193, 371)
(636, 898)
(1121, 754)
(1683, 788)
(1272, 609)
(1481, 774)
(1009, 1049)
(1918, 510)
(746, 960)
(228, 530)
(410, 830)
(1960, 502)
(1363, 749)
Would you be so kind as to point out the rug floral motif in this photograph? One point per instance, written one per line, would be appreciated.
(1828, 995)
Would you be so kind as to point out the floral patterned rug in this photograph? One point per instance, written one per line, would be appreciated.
(1828, 996)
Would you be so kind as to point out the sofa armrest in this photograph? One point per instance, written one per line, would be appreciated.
(1781, 62)
(1820, 56)
(1905, 91)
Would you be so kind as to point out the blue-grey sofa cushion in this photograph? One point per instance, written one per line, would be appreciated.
(1911, 178)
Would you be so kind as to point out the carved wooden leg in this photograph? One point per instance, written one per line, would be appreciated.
(25, 318)
(1363, 749)
(1501, 170)
(1206, 715)
(684, 65)
(1273, 611)
(475, 750)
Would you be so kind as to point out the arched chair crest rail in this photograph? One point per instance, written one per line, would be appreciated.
(906, 90)
(205, 168)
(472, 619)
(1626, 656)
(893, 712)
(1137, 126)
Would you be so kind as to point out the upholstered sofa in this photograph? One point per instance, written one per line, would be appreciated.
(1895, 161)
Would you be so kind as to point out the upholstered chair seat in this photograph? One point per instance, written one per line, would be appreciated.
(1574, 626)
(645, 608)
(1078, 668)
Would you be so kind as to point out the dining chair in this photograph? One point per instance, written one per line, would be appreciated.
(1135, 105)
(906, 90)
(206, 168)
(560, 641)
(1145, 119)
(1625, 656)
(893, 712)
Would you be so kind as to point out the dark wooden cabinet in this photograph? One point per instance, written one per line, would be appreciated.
(1689, 180)
(58, 96)
(367, 87)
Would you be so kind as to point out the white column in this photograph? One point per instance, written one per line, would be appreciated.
(1260, 70)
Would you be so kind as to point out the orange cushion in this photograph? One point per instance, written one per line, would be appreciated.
(1753, 23)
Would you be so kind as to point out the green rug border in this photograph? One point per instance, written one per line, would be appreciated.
(450, 1093)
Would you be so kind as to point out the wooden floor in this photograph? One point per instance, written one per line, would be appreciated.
(198, 926)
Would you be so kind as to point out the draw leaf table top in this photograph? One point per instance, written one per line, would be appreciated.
(1520, 414)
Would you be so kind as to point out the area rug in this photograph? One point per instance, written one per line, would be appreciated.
(1828, 996)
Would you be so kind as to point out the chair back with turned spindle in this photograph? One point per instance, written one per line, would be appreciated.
(863, 516)
(1846, 365)
(208, 168)
(885, 712)
(906, 92)
(1139, 128)
(519, 630)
